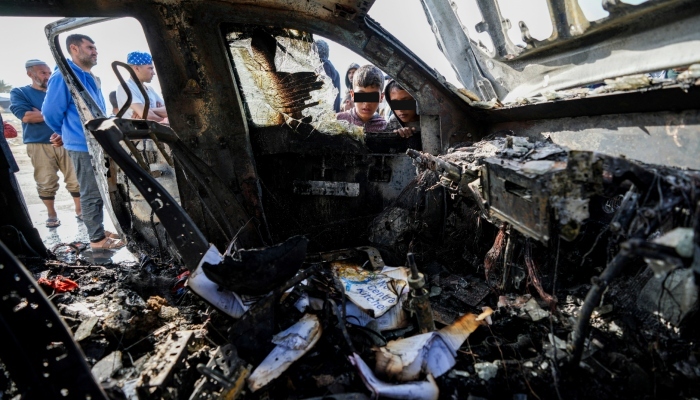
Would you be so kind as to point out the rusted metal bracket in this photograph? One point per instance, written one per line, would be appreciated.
(497, 27)
(375, 259)
(567, 18)
(160, 368)
(129, 97)
(223, 376)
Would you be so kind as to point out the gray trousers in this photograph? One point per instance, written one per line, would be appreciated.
(90, 198)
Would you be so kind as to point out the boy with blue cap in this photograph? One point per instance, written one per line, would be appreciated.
(142, 64)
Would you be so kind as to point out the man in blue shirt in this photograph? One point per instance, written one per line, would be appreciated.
(46, 158)
(62, 116)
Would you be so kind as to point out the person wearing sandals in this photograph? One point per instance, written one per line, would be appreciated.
(62, 117)
(47, 159)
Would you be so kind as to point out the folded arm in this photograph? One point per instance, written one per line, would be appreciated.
(33, 117)
(23, 109)
(160, 111)
(153, 114)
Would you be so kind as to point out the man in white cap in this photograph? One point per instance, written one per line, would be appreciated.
(142, 63)
(47, 158)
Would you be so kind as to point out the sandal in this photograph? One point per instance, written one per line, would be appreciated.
(112, 235)
(108, 244)
(53, 222)
(79, 216)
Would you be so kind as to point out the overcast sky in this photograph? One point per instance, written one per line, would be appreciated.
(403, 18)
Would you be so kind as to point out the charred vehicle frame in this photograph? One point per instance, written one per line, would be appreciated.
(526, 178)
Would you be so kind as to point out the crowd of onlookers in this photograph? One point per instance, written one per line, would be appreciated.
(368, 102)
(54, 135)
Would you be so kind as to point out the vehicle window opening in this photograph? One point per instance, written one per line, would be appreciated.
(281, 79)
(534, 14)
(593, 10)
(469, 14)
(283, 83)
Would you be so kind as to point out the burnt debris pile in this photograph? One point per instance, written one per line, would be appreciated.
(507, 269)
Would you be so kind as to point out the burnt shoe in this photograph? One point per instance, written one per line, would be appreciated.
(258, 271)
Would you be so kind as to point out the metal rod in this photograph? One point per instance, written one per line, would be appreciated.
(420, 297)
(146, 100)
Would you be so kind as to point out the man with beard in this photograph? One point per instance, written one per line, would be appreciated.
(62, 116)
(142, 64)
(46, 158)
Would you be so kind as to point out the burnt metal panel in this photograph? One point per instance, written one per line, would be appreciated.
(326, 188)
(667, 138)
(517, 198)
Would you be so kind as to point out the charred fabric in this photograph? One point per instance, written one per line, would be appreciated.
(507, 269)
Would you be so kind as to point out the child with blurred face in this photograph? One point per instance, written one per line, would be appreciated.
(347, 104)
(404, 107)
(349, 74)
(368, 82)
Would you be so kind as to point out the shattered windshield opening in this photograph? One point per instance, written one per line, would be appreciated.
(536, 46)
(283, 83)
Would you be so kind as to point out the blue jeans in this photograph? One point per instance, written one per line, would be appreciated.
(90, 198)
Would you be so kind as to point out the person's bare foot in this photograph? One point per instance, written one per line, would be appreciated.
(108, 243)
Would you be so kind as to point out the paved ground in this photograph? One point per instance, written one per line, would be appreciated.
(71, 228)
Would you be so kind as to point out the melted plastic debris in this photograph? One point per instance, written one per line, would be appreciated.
(430, 353)
(292, 343)
(487, 105)
(424, 390)
(565, 94)
(629, 82)
(486, 370)
(690, 75)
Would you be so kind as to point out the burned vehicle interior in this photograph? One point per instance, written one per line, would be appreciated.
(535, 239)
